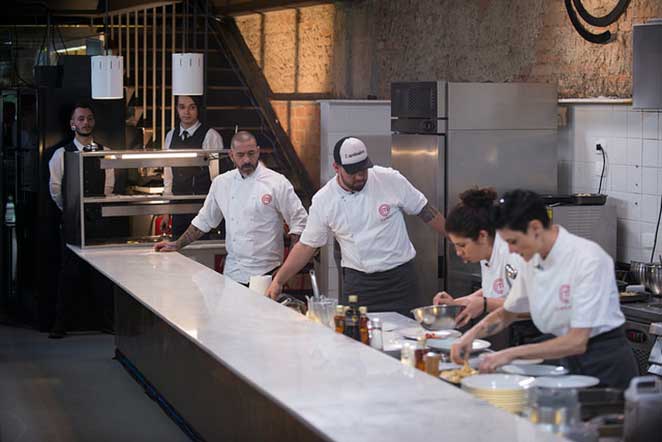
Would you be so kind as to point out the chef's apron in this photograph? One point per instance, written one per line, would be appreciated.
(608, 357)
(391, 290)
(192, 180)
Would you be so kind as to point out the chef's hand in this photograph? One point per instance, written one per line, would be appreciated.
(442, 298)
(274, 290)
(489, 362)
(461, 349)
(473, 308)
(165, 221)
(166, 246)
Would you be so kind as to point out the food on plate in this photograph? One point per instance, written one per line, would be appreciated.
(456, 376)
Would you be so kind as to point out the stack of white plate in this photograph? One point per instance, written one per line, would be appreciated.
(506, 391)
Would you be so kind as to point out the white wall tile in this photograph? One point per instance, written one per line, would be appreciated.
(633, 208)
(649, 181)
(650, 205)
(619, 178)
(635, 124)
(650, 151)
(618, 123)
(634, 151)
(617, 151)
(634, 179)
(650, 125)
(659, 179)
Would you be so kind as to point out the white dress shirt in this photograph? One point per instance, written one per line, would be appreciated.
(369, 224)
(56, 168)
(254, 208)
(574, 287)
(212, 140)
(494, 282)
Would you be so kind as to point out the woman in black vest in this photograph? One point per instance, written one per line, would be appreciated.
(196, 180)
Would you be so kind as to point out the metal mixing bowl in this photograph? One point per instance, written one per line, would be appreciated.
(437, 317)
(653, 278)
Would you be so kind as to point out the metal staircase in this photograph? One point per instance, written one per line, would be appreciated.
(237, 93)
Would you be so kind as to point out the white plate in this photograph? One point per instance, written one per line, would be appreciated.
(416, 332)
(571, 381)
(535, 370)
(473, 363)
(445, 344)
(497, 381)
(526, 361)
(388, 326)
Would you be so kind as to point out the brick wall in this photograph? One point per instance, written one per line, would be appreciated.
(301, 121)
(356, 49)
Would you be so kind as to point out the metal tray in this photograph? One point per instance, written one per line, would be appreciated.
(589, 199)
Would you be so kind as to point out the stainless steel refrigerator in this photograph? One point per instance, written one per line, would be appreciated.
(448, 137)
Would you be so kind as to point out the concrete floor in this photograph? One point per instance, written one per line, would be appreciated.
(72, 390)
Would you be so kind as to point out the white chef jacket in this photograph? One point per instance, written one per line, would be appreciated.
(574, 287)
(212, 140)
(254, 208)
(494, 281)
(369, 224)
(56, 169)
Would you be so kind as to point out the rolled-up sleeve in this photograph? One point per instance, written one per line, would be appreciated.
(517, 300)
(412, 200)
(210, 215)
(291, 208)
(317, 230)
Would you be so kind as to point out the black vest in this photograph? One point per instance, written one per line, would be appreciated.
(192, 180)
(94, 177)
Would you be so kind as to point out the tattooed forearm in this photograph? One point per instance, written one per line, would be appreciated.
(191, 234)
(428, 213)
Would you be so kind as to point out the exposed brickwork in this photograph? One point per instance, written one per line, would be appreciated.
(356, 49)
(301, 121)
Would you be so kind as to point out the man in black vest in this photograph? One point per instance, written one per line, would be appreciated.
(97, 182)
(191, 134)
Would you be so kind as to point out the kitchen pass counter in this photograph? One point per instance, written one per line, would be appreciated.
(240, 366)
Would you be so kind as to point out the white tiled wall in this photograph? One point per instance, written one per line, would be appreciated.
(633, 174)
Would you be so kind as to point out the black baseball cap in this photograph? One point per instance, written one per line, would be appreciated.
(351, 154)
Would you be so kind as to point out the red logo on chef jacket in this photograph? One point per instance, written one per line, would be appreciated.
(266, 199)
(384, 210)
(564, 293)
(497, 287)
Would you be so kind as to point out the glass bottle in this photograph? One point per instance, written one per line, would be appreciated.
(339, 319)
(419, 353)
(351, 328)
(363, 325)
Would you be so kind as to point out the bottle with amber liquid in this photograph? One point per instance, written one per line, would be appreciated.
(363, 325)
(351, 327)
(339, 319)
(419, 353)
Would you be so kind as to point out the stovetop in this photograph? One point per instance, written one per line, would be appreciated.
(644, 311)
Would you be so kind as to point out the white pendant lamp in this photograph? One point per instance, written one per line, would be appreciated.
(187, 74)
(107, 77)
(107, 70)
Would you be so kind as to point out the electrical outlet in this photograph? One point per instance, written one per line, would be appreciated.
(602, 142)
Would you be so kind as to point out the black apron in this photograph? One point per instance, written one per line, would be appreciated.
(608, 357)
(193, 180)
(388, 291)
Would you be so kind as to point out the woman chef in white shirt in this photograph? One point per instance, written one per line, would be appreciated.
(568, 287)
(470, 229)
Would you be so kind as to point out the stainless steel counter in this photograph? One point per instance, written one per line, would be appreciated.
(238, 366)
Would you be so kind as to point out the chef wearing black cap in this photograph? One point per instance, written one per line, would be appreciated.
(364, 206)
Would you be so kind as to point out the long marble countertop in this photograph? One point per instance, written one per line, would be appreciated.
(346, 390)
